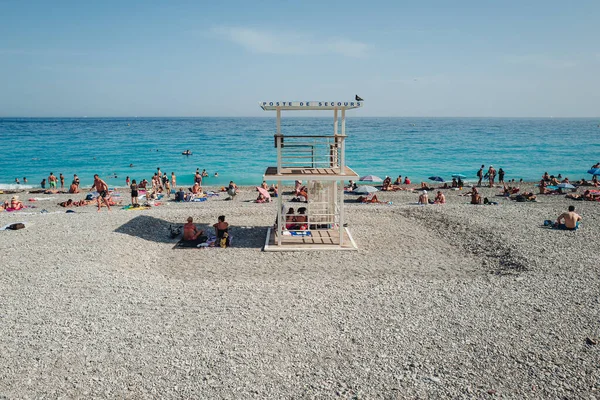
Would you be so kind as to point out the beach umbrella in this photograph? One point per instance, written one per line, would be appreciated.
(371, 178)
(461, 176)
(594, 171)
(436, 178)
(264, 192)
(365, 189)
(565, 186)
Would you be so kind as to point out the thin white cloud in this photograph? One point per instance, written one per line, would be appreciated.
(540, 60)
(265, 42)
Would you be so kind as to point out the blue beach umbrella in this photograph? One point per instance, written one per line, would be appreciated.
(436, 178)
(594, 171)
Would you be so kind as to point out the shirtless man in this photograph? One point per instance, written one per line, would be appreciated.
(52, 180)
(440, 198)
(173, 180)
(480, 175)
(491, 175)
(423, 198)
(475, 196)
(102, 189)
(191, 233)
(62, 181)
(571, 220)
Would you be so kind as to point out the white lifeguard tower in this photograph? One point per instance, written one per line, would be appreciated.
(319, 162)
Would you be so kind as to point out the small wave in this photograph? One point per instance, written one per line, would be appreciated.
(14, 186)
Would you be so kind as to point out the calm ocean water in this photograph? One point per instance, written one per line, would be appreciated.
(240, 149)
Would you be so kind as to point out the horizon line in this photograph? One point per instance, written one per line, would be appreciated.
(287, 116)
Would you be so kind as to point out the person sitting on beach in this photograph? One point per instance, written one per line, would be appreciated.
(222, 231)
(102, 189)
(297, 186)
(406, 180)
(191, 234)
(542, 187)
(261, 198)
(196, 188)
(43, 184)
(553, 180)
(264, 185)
(595, 180)
(439, 198)
(424, 198)
(444, 186)
(15, 203)
(290, 218)
(301, 219)
(568, 220)
(302, 195)
(454, 183)
(351, 185)
(398, 180)
(73, 188)
(387, 183)
(180, 195)
(475, 196)
(566, 180)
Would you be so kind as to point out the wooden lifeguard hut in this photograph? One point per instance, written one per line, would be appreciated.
(319, 161)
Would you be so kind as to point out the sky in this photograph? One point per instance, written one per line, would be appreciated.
(195, 58)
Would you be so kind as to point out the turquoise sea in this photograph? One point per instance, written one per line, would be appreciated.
(240, 149)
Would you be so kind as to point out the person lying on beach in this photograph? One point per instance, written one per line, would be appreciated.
(15, 203)
(370, 198)
(67, 203)
(525, 196)
(261, 198)
(191, 234)
(423, 198)
(508, 190)
(439, 198)
(444, 186)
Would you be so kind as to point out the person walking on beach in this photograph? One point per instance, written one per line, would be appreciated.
(102, 189)
(62, 181)
(480, 175)
(491, 175)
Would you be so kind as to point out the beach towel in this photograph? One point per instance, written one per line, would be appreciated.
(301, 233)
(131, 207)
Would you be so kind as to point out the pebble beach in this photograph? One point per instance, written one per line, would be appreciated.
(439, 301)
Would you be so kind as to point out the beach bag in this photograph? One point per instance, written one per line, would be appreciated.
(16, 226)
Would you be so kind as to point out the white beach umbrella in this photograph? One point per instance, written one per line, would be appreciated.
(365, 189)
(371, 178)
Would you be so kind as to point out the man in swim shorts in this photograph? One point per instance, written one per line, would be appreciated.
(102, 189)
(52, 180)
(570, 220)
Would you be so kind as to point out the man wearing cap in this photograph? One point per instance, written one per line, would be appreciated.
(423, 198)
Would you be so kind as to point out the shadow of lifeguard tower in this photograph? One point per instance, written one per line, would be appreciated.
(319, 162)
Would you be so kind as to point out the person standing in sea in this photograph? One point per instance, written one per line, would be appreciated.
(198, 177)
(501, 176)
(52, 180)
(173, 180)
(480, 175)
(102, 189)
(62, 181)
